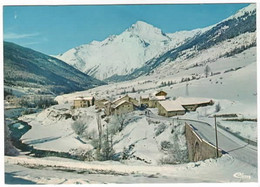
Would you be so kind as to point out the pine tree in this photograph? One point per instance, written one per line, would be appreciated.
(207, 70)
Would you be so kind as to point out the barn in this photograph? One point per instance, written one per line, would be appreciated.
(170, 108)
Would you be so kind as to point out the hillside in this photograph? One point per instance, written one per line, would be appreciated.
(28, 68)
(232, 36)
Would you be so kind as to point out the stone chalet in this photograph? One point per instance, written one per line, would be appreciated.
(170, 108)
(151, 100)
(100, 103)
(81, 102)
(121, 105)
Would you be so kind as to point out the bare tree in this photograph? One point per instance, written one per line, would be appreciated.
(207, 70)
(121, 120)
(99, 131)
(107, 150)
(80, 126)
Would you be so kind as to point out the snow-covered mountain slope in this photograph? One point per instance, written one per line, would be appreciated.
(249, 10)
(121, 54)
(27, 69)
(240, 25)
(227, 48)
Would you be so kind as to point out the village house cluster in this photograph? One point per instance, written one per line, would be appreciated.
(126, 104)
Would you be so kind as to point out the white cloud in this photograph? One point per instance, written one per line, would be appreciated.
(8, 36)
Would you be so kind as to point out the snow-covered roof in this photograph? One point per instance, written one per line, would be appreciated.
(192, 100)
(118, 99)
(122, 102)
(78, 99)
(171, 105)
(160, 97)
(106, 102)
(84, 98)
(145, 96)
(88, 98)
(157, 98)
(133, 95)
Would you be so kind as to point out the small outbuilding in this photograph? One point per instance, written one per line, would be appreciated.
(170, 108)
(160, 93)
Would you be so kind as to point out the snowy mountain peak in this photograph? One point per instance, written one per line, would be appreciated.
(142, 29)
(141, 25)
(119, 54)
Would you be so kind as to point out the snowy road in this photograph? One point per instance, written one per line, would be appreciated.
(226, 141)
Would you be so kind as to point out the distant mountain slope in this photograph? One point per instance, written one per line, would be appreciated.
(28, 68)
(122, 54)
(236, 27)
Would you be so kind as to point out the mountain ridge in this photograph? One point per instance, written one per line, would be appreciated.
(142, 47)
(124, 52)
(28, 68)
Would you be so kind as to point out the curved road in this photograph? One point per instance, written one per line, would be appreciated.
(226, 141)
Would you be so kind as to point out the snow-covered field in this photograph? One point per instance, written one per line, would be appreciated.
(56, 132)
(142, 136)
(246, 129)
(51, 170)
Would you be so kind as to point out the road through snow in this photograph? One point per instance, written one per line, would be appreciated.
(227, 142)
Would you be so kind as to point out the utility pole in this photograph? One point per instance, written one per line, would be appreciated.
(216, 132)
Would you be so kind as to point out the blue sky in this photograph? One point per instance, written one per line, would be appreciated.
(55, 29)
